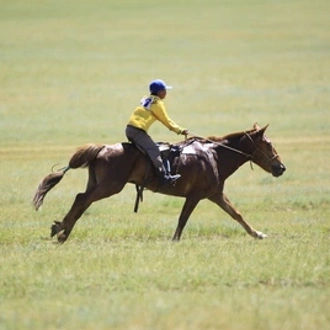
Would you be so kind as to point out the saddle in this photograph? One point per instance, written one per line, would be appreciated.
(168, 153)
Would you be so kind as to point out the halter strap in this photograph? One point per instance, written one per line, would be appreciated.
(269, 159)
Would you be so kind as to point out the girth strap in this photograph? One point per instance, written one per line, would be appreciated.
(140, 188)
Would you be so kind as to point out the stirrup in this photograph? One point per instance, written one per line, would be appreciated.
(171, 177)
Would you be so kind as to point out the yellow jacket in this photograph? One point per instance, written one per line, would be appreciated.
(152, 108)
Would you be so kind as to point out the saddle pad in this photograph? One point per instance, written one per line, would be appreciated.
(163, 146)
(195, 147)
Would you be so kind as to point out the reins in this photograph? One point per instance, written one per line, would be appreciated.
(248, 156)
(223, 145)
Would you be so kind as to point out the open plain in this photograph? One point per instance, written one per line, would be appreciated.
(71, 73)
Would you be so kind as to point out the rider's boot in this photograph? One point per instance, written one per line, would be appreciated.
(167, 178)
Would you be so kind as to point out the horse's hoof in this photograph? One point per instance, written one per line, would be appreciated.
(260, 235)
(55, 229)
(61, 238)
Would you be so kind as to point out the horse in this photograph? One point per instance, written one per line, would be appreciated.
(203, 163)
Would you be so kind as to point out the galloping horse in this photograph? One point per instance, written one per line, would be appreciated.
(204, 165)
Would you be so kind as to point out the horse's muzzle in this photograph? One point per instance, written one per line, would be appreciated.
(278, 169)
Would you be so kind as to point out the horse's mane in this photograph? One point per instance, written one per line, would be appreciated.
(229, 136)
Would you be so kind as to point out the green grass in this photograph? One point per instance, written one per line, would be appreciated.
(72, 72)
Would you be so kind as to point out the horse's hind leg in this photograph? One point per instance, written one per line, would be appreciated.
(80, 205)
(63, 229)
(188, 207)
(222, 201)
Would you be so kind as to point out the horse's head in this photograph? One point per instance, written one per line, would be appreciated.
(263, 153)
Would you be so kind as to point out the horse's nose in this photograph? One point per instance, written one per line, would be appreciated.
(278, 169)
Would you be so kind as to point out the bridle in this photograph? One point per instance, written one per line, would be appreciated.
(257, 149)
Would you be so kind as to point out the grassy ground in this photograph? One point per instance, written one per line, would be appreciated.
(71, 73)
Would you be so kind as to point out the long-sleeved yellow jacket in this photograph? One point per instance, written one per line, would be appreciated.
(152, 108)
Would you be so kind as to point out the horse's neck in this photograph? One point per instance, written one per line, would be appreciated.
(231, 152)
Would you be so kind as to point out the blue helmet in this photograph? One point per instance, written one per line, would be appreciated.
(158, 85)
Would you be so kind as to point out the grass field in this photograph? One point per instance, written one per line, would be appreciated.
(71, 73)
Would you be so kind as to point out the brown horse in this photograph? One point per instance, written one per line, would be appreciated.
(204, 165)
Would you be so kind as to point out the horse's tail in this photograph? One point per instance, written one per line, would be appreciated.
(85, 155)
(81, 158)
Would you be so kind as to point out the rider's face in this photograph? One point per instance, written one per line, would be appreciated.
(162, 94)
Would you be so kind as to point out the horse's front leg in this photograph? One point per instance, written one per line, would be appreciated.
(226, 205)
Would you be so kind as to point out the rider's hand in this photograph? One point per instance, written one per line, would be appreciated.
(185, 132)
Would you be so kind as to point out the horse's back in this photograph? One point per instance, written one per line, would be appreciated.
(118, 150)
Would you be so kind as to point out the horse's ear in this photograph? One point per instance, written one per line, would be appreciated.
(257, 128)
(261, 131)
(264, 128)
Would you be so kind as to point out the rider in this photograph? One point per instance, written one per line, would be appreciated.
(152, 108)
